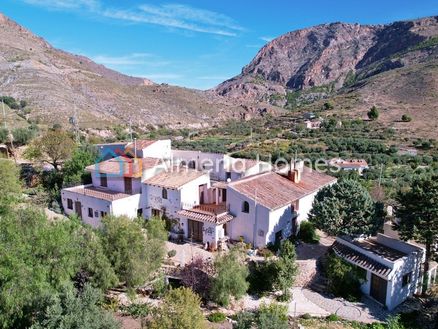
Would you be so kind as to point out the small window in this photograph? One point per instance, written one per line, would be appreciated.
(228, 175)
(102, 214)
(140, 212)
(96, 214)
(70, 204)
(90, 212)
(245, 207)
(164, 193)
(407, 279)
(103, 180)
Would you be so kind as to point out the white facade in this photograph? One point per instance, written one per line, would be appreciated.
(184, 197)
(92, 206)
(134, 196)
(398, 275)
(160, 149)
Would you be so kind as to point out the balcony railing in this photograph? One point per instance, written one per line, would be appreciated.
(212, 208)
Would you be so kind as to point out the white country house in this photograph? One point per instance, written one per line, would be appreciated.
(392, 268)
(209, 197)
(270, 206)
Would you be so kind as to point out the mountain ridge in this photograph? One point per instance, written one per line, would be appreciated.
(58, 85)
(306, 67)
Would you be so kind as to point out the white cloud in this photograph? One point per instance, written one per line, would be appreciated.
(267, 39)
(133, 59)
(65, 4)
(169, 15)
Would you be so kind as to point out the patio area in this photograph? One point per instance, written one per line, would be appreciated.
(187, 251)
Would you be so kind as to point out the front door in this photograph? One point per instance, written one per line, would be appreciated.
(378, 288)
(195, 230)
(78, 209)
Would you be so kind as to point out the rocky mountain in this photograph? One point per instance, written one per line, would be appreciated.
(58, 85)
(394, 67)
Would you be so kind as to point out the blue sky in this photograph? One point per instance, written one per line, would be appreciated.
(195, 44)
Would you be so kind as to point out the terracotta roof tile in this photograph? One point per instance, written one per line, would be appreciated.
(98, 193)
(175, 177)
(141, 144)
(200, 215)
(275, 191)
(126, 166)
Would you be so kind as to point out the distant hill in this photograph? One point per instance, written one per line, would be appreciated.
(57, 84)
(394, 67)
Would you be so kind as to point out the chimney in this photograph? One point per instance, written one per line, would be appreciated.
(294, 174)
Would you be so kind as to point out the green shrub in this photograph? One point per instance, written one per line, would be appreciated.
(272, 316)
(244, 320)
(217, 317)
(308, 233)
(333, 317)
(137, 310)
(373, 113)
(344, 279)
(406, 118)
(306, 316)
(171, 253)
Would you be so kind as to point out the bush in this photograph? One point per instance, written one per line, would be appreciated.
(344, 279)
(262, 276)
(406, 118)
(306, 316)
(230, 280)
(181, 308)
(308, 233)
(272, 316)
(171, 253)
(244, 320)
(217, 317)
(137, 310)
(373, 114)
(333, 317)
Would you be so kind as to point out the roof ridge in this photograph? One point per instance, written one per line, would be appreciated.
(251, 177)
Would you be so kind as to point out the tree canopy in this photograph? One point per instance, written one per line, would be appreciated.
(73, 309)
(132, 254)
(181, 309)
(53, 147)
(286, 268)
(417, 211)
(230, 280)
(345, 208)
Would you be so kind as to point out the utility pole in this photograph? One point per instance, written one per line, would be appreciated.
(4, 114)
(130, 129)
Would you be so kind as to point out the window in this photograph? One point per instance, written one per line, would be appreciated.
(228, 175)
(70, 204)
(96, 214)
(407, 279)
(164, 193)
(103, 180)
(156, 213)
(128, 185)
(140, 212)
(102, 214)
(90, 212)
(245, 207)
